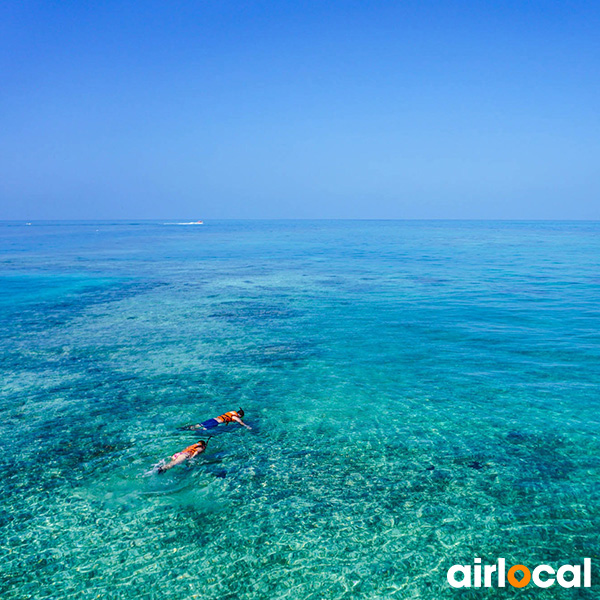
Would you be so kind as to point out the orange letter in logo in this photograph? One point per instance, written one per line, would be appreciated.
(514, 581)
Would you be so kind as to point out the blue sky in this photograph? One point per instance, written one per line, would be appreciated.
(224, 109)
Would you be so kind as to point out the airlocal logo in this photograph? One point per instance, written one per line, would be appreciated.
(544, 576)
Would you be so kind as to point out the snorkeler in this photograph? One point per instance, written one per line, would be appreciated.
(189, 452)
(228, 417)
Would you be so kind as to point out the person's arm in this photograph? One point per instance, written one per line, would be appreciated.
(238, 420)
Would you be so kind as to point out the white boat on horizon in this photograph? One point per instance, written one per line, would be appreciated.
(190, 223)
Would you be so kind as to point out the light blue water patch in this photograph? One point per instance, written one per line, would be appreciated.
(420, 393)
(22, 291)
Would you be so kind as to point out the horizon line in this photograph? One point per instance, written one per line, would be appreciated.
(175, 220)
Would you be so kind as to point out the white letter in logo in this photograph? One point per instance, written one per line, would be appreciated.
(536, 576)
(587, 572)
(488, 570)
(477, 573)
(501, 572)
(466, 580)
(575, 582)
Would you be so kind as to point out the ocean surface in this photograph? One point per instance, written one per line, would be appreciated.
(421, 393)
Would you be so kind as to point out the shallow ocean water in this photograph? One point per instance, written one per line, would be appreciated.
(421, 393)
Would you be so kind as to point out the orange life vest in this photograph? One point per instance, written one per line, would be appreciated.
(192, 450)
(227, 417)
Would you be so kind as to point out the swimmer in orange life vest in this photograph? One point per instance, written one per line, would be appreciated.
(189, 452)
(228, 417)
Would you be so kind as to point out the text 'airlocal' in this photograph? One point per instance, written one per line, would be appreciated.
(544, 576)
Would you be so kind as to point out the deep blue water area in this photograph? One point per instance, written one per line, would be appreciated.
(421, 393)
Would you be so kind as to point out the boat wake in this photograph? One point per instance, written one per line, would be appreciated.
(190, 223)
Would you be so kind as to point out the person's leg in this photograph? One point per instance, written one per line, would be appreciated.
(176, 460)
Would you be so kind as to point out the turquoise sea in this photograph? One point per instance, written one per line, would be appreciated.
(421, 393)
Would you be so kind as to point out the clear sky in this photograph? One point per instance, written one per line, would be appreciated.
(299, 109)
